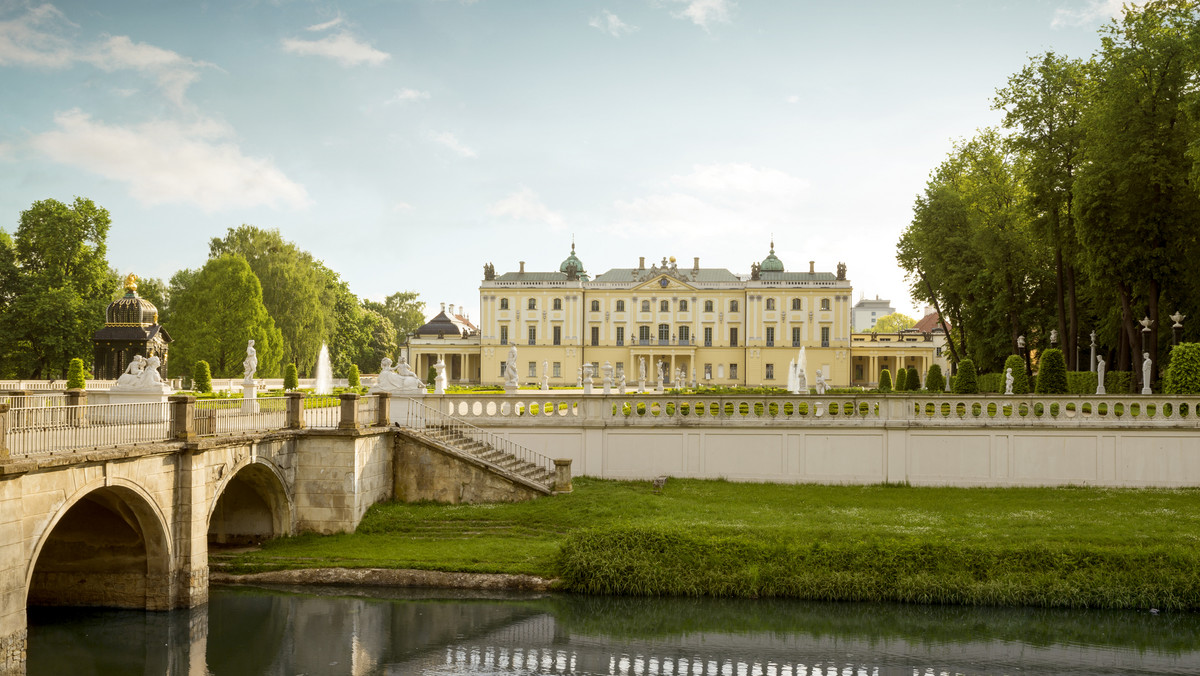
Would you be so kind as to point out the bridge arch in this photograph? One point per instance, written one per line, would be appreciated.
(109, 545)
(251, 504)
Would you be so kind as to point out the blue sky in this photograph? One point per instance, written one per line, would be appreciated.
(408, 142)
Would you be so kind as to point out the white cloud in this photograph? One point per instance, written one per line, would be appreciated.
(318, 27)
(171, 162)
(401, 206)
(1091, 13)
(406, 95)
(610, 23)
(715, 200)
(794, 98)
(341, 47)
(173, 72)
(451, 141)
(704, 13)
(524, 205)
(34, 39)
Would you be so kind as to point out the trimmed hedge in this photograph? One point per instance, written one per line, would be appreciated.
(966, 381)
(201, 377)
(75, 377)
(1081, 382)
(913, 382)
(1020, 377)
(901, 380)
(990, 383)
(1119, 382)
(885, 381)
(1052, 372)
(1183, 374)
(291, 380)
(934, 380)
(352, 376)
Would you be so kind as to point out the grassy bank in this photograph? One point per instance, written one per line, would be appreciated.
(1074, 547)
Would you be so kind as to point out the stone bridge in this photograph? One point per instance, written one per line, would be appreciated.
(130, 525)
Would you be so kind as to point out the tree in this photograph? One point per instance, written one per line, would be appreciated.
(934, 380)
(405, 312)
(893, 323)
(1052, 372)
(157, 292)
(1020, 377)
(55, 283)
(75, 376)
(966, 381)
(885, 381)
(201, 377)
(218, 311)
(1183, 374)
(901, 380)
(352, 377)
(290, 379)
(913, 381)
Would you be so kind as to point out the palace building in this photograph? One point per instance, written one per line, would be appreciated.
(705, 325)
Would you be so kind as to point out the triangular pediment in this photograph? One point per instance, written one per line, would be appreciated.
(664, 282)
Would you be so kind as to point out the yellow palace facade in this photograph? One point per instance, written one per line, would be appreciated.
(703, 325)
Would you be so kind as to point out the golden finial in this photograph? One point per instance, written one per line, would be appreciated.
(131, 283)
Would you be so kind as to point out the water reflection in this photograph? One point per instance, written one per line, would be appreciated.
(366, 632)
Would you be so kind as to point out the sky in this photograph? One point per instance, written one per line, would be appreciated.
(406, 143)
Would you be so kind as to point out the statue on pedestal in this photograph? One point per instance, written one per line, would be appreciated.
(1008, 381)
(397, 379)
(1147, 368)
(250, 364)
(1100, 375)
(510, 369)
(820, 383)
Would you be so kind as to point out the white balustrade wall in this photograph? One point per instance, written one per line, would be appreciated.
(1151, 441)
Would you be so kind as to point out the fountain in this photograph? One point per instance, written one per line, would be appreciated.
(323, 374)
(797, 374)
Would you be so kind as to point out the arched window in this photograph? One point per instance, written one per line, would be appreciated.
(595, 306)
(708, 306)
(683, 306)
(645, 306)
(644, 333)
(770, 303)
(824, 303)
(733, 306)
(795, 303)
(532, 303)
(664, 306)
(620, 306)
(557, 303)
(503, 303)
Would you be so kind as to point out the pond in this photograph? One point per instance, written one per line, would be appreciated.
(369, 631)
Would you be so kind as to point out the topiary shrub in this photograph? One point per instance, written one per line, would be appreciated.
(885, 381)
(934, 380)
(1183, 374)
(965, 382)
(1020, 377)
(432, 376)
(989, 382)
(290, 378)
(352, 376)
(201, 377)
(1119, 382)
(1052, 372)
(1081, 382)
(75, 377)
(913, 381)
(901, 380)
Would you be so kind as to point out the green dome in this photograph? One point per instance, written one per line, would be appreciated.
(771, 263)
(572, 259)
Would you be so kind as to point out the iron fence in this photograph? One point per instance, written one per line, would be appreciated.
(231, 416)
(51, 429)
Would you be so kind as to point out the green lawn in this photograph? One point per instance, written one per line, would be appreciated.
(1036, 546)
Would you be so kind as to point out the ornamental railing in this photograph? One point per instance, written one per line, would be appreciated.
(236, 416)
(422, 417)
(54, 429)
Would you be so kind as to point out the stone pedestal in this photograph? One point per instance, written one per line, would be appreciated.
(562, 475)
(511, 389)
(641, 386)
(587, 387)
(401, 404)
(249, 398)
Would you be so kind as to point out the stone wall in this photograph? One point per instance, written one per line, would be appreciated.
(332, 466)
(427, 471)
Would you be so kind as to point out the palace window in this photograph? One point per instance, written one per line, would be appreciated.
(795, 336)
(770, 336)
(558, 335)
(708, 371)
(733, 371)
(770, 372)
(733, 336)
(595, 335)
(533, 335)
(644, 334)
(708, 306)
(558, 369)
(503, 303)
(532, 369)
(683, 306)
(733, 306)
(770, 303)
(645, 306)
(664, 332)
(532, 303)
(620, 335)
(708, 336)
(557, 303)
(824, 336)
(595, 306)
(796, 304)
(825, 304)
(664, 306)
(620, 306)
(685, 334)
(504, 335)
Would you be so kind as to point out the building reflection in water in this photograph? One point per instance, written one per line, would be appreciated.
(359, 632)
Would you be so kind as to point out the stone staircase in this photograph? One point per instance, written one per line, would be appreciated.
(507, 462)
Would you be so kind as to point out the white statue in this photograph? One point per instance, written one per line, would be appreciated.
(1147, 366)
(621, 379)
(545, 376)
(1020, 342)
(820, 383)
(397, 379)
(510, 369)
(1054, 336)
(1093, 338)
(579, 377)
(1008, 381)
(141, 376)
(642, 369)
(607, 372)
(587, 372)
(439, 382)
(1100, 375)
(662, 372)
(132, 372)
(250, 364)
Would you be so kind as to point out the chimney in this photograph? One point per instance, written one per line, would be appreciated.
(443, 307)
(812, 267)
(452, 308)
(641, 262)
(522, 267)
(696, 263)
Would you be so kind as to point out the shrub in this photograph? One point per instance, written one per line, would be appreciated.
(1020, 377)
(290, 379)
(1183, 374)
(75, 378)
(934, 380)
(901, 380)
(1081, 382)
(1052, 372)
(913, 381)
(352, 376)
(989, 382)
(965, 382)
(885, 381)
(432, 376)
(1119, 382)
(201, 377)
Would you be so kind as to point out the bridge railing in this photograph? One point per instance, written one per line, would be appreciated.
(422, 417)
(232, 416)
(322, 411)
(54, 429)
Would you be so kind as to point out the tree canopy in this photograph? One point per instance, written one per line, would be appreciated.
(893, 323)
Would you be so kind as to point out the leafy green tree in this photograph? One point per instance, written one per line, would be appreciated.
(158, 292)
(934, 380)
(290, 379)
(1052, 372)
(201, 377)
(55, 284)
(1183, 373)
(913, 381)
(885, 381)
(431, 376)
(901, 380)
(1020, 376)
(893, 323)
(404, 310)
(75, 376)
(966, 382)
(217, 313)
(352, 376)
